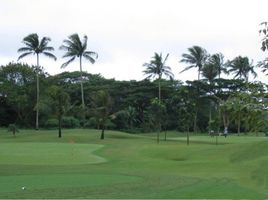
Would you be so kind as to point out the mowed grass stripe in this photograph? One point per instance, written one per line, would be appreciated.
(33, 182)
(49, 153)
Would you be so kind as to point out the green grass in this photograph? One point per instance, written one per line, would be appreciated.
(80, 165)
(37, 153)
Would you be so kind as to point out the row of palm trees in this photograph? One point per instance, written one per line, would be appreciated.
(197, 57)
(73, 47)
(209, 66)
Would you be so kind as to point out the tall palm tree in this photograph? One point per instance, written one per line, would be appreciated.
(196, 57)
(74, 47)
(157, 67)
(241, 68)
(210, 72)
(35, 46)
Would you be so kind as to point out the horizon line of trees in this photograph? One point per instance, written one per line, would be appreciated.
(208, 104)
(131, 105)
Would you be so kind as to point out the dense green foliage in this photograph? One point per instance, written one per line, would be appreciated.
(80, 165)
(131, 101)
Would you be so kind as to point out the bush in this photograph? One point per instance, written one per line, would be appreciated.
(51, 123)
(70, 122)
(92, 123)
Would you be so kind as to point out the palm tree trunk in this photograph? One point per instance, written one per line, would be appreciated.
(82, 93)
(238, 124)
(210, 118)
(159, 89)
(60, 120)
(188, 137)
(158, 134)
(37, 95)
(102, 131)
(196, 111)
(195, 121)
(81, 82)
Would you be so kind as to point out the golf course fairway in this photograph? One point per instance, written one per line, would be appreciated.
(80, 165)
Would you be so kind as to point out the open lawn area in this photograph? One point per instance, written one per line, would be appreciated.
(80, 165)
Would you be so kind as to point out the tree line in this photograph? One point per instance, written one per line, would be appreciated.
(30, 97)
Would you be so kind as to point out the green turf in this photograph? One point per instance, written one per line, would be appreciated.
(80, 165)
(49, 153)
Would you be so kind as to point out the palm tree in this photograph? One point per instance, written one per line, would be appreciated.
(241, 68)
(60, 102)
(74, 47)
(218, 61)
(35, 46)
(209, 71)
(102, 105)
(157, 67)
(196, 58)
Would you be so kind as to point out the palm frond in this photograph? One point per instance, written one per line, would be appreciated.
(69, 54)
(50, 55)
(68, 62)
(31, 40)
(48, 49)
(44, 42)
(88, 57)
(24, 49)
(84, 44)
(92, 53)
(24, 54)
(165, 58)
(187, 68)
(64, 47)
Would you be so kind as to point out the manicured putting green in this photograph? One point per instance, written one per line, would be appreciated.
(49, 153)
(32, 182)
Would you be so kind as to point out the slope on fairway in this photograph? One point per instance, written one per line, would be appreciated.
(49, 153)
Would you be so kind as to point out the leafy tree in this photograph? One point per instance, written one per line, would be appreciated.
(157, 67)
(241, 68)
(102, 104)
(196, 57)
(35, 46)
(131, 116)
(74, 47)
(59, 103)
(183, 105)
(264, 45)
(17, 94)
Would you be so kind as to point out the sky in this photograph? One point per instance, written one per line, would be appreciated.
(127, 33)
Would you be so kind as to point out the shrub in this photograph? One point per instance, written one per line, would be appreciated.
(70, 122)
(92, 123)
(51, 123)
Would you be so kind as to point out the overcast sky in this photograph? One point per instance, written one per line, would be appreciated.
(126, 33)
